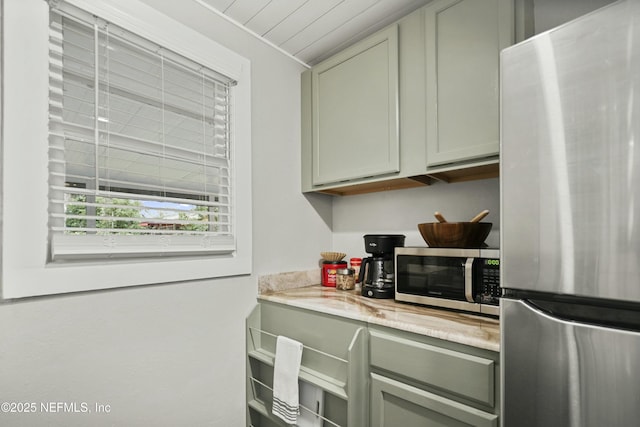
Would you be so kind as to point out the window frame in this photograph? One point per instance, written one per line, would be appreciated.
(26, 269)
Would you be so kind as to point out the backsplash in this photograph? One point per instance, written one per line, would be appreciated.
(290, 280)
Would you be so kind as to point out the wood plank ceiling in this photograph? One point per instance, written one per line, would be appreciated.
(312, 30)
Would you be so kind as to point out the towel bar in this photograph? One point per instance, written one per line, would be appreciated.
(255, 380)
(251, 329)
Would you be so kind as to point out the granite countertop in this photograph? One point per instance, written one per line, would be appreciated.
(477, 331)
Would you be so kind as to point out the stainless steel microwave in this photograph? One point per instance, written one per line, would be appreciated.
(460, 279)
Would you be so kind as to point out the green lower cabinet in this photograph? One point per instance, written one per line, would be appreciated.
(394, 403)
(369, 375)
(422, 381)
(334, 363)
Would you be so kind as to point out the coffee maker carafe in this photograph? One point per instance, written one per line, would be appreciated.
(377, 271)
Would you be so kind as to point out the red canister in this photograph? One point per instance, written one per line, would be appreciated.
(329, 272)
(355, 264)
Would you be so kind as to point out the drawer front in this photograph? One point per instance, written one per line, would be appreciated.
(468, 376)
(394, 403)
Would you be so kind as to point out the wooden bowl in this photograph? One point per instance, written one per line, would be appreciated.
(455, 234)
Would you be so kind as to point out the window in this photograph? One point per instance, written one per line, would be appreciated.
(145, 148)
(139, 145)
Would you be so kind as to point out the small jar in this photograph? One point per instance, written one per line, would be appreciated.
(355, 264)
(345, 279)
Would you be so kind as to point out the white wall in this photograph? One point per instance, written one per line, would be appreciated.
(551, 13)
(173, 354)
(400, 212)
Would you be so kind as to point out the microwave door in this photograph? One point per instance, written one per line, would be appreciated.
(437, 277)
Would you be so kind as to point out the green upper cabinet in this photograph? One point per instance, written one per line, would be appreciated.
(463, 43)
(415, 102)
(363, 124)
(354, 104)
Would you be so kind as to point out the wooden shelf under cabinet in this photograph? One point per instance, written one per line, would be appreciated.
(449, 175)
(486, 171)
(372, 187)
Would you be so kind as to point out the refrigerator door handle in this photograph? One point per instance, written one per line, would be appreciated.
(468, 279)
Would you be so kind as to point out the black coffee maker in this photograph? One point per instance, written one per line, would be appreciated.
(377, 271)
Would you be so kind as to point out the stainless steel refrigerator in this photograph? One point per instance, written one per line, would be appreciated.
(570, 225)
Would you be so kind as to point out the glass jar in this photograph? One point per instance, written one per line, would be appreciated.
(345, 279)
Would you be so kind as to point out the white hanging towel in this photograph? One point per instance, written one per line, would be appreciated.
(285, 379)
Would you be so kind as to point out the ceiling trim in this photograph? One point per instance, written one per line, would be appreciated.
(253, 33)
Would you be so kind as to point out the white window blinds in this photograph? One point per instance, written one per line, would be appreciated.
(140, 154)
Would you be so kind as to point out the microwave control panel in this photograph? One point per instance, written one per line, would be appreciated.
(489, 290)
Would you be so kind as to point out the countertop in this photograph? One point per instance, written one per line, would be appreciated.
(477, 331)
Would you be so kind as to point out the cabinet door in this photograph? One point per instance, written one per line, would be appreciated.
(463, 43)
(355, 111)
(394, 404)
